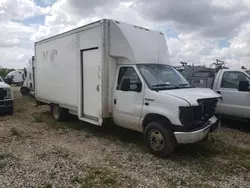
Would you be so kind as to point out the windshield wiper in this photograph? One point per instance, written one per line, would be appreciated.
(189, 86)
(183, 84)
(170, 86)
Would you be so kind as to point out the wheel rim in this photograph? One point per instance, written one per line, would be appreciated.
(156, 140)
(56, 112)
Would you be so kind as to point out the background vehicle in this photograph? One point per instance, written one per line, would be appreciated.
(15, 77)
(112, 70)
(28, 86)
(231, 84)
(6, 98)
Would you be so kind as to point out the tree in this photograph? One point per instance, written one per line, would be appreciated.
(5, 71)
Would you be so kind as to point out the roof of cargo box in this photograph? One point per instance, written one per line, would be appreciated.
(137, 45)
(69, 32)
(133, 43)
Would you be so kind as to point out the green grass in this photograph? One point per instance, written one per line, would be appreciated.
(98, 177)
(213, 160)
(19, 109)
(37, 118)
(3, 157)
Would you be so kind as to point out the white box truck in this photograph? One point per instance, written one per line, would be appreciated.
(28, 87)
(112, 70)
(6, 98)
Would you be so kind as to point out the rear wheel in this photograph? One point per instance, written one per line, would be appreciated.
(159, 139)
(24, 91)
(59, 113)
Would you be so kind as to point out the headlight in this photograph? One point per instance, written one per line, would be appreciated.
(186, 114)
(9, 94)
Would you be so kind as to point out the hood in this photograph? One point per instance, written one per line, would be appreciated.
(191, 95)
(4, 85)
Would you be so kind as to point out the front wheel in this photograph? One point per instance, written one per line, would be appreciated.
(160, 139)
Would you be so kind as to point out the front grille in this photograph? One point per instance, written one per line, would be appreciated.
(205, 110)
(193, 117)
(6, 103)
(3, 93)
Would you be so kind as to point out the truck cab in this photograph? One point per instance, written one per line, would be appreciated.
(6, 98)
(233, 86)
(157, 100)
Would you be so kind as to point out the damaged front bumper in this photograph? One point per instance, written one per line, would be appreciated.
(199, 134)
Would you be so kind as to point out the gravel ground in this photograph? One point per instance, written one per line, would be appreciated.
(36, 151)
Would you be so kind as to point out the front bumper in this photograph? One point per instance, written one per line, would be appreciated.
(197, 135)
(6, 105)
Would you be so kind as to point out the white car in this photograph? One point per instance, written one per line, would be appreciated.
(6, 98)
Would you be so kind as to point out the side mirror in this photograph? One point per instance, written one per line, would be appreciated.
(243, 86)
(125, 85)
(139, 86)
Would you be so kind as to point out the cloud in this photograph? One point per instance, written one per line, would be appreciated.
(15, 44)
(213, 18)
(205, 52)
(195, 27)
(14, 57)
(20, 9)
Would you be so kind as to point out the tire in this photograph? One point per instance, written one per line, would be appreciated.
(10, 111)
(160, 140)
(24, 91)
(59, 113)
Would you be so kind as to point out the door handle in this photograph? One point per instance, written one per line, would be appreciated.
(114, 101)
(219, 92)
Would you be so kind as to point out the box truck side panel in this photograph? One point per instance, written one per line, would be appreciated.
(56, 71)
(68, 72)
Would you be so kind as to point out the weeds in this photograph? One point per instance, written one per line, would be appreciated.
(98, 177)
(5, 156)
(37, 118)
(19, 109)
(47, 185)
(15, 132)
(4, 159)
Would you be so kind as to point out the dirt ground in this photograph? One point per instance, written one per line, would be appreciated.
(36, 151)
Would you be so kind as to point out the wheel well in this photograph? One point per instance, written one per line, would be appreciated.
(156, 117)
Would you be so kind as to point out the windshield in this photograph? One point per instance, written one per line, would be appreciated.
(248, 72)
(161, 77)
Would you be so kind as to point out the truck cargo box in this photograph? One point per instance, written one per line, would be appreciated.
(76, 69)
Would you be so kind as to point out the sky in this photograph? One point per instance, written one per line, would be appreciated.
(197, 31)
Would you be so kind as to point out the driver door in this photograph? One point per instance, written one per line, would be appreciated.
(235, 103)
(128, 103)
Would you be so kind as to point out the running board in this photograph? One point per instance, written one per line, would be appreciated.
(89, 121)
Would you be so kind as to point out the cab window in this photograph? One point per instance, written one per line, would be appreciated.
(128, 75)
(231, 79)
